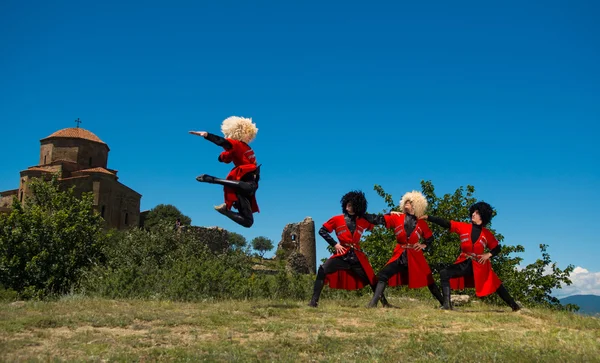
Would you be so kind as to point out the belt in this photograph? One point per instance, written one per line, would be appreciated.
(471, 256)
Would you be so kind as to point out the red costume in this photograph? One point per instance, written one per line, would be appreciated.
(483, 279)
(244, 160)
(420, 273)
(344, 279)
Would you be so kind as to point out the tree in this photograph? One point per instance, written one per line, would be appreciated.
(262, 245)
(531, 285)
(236, 240)
(165, 213)
(46, 242)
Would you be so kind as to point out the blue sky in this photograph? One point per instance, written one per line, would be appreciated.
(499, 95)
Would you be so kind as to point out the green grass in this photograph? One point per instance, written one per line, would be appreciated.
(289, 331)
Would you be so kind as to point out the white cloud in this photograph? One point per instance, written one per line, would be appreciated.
(584, 283)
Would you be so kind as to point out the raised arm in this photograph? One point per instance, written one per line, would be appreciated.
(215, 139)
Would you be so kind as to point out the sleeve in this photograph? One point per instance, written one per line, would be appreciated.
(377, 219)
(370, 227)
(219, 141)
(439, 221)
(455, 227)
(326, 236)
(492, 242)
(389, 221)
(329, 225)
(427, 235)
(495, 251)
(425, 228)
(227, 155)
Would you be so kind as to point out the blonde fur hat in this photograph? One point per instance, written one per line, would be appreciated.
(239, 128)
(418, 201)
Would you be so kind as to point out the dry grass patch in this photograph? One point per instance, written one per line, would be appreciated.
(263, 330)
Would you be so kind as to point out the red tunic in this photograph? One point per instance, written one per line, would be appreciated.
(244, 160)
(344, 279)
(419, 273)
(484, 279)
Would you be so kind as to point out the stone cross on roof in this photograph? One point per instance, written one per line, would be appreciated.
(78, 121)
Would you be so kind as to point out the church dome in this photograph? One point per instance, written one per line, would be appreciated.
(76, 133)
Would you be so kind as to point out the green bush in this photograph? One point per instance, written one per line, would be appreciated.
(47, 241)
(531, 285)
(166, 264)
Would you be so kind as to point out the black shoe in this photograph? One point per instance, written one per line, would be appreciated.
(385, 303)
(221, 208)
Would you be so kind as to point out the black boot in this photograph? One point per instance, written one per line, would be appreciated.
(378, 294)
(503, 293)
(246, 187)
(447, 303)
(314, 302)
(384, 302)
(435, 291)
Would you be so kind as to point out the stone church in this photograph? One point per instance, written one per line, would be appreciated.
(81, 160)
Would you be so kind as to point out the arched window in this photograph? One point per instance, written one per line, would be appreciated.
(126, 215)
(90, 161)
(102, 211)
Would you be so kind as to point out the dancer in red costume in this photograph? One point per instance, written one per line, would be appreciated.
(242, 181)
(473, 267)
(348, 268)
(407, 265)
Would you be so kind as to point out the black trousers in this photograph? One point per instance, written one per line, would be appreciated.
(397, 267)
(346, 262)
(465, 268)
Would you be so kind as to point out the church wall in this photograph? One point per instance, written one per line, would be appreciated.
(75, 150)
(45, 154)
(93, 155)
(121, 204)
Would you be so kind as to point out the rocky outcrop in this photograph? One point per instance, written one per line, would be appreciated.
(299, 239)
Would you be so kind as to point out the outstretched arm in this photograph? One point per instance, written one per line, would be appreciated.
(215, 139)
(375, 218)
(437, 220)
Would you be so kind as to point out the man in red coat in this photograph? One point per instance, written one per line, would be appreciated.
(473, 267)
(348, 268)
(242, 181)
(408, 265)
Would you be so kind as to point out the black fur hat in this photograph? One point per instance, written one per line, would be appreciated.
(485, 211)
(358, 201)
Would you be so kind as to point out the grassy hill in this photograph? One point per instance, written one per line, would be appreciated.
(588, 304)
(339, 330)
